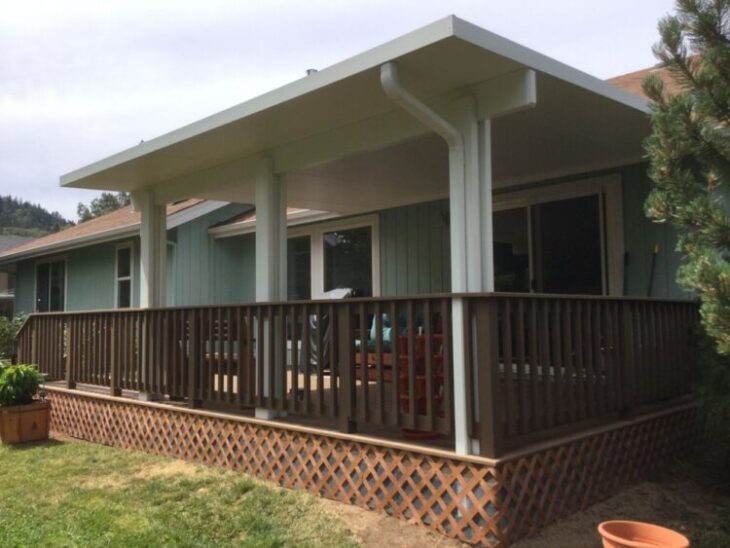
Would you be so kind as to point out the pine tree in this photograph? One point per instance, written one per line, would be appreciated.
(689, 152)
(105, 203)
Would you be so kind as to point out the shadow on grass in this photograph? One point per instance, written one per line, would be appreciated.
(33, 445)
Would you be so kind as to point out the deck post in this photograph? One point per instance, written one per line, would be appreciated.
(270, 199)
(345, 360)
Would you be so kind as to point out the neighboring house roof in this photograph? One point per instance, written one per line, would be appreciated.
(6, 242)
(633, 81)
(122, 222)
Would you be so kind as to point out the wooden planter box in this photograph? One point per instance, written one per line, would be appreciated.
(23, 423)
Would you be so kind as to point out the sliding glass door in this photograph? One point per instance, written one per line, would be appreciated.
(551, 247)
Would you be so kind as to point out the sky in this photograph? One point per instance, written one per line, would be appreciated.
(81, 80)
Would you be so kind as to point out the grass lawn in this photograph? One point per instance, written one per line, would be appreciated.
(77, 494)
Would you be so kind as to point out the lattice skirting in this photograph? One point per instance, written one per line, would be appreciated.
(473, 500)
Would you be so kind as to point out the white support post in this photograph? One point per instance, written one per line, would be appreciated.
(467, 130)
(472, 266)
(270, 202)
(153, 249)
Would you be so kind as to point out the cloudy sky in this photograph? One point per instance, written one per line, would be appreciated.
(80, 80)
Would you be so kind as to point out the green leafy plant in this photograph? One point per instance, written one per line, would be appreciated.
(8, 331)
(18, 384)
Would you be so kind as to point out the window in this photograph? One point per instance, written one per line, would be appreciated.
(50, 289)
(124, 276)
(338, 254)
(563, 238)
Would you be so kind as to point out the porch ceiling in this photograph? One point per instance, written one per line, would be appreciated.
(344, 146)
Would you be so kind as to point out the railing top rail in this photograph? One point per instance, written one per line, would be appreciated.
(399, 298)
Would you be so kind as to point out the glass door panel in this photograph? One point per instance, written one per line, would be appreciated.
(511, 250)
(299, 268)
(568, 255)
(348, 260)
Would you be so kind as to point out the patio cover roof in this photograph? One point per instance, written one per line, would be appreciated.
(337, 126)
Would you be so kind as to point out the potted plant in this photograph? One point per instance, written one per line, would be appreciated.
(22, 418)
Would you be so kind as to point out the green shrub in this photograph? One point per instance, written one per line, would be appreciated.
(8, 330)
(18, 384)
(712, 383)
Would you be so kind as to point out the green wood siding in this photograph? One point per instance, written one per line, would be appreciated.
(90, 278)
(641, 236)
(209, 271)
(24, 287)
(414, 249)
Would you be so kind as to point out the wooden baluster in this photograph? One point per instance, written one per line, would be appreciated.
(194, 359)
(307, 361)
(362, 399)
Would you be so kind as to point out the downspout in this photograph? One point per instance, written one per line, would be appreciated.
(424, 114)
(457, 206)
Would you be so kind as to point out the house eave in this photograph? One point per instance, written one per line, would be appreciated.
(128, 231)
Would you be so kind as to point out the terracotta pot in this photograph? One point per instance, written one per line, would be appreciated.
(23, 423)
(634, 534)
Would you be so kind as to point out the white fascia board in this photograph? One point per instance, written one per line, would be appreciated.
(542, 63)
(439, 30)
(249, 227)
(191, 213)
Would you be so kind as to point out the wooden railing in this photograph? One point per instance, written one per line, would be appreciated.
(360, 361)
(543, 365)
(537, 365)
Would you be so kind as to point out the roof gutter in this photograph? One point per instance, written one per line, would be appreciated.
(428, 117)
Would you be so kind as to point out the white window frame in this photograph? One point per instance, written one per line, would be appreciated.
(57, 259)
(316, 234)
(117, 279)
(609, 192)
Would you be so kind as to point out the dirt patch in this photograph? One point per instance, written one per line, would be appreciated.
(175, 468)
(375, 530)
(692, 498)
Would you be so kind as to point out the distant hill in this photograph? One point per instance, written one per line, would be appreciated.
(20, 218)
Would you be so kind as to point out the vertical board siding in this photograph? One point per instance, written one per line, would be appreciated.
(414, 249)
(641, 235)
(210, 271)
(91, 277)
(24, 287)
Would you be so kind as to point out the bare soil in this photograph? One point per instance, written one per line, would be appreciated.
(692, 497)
